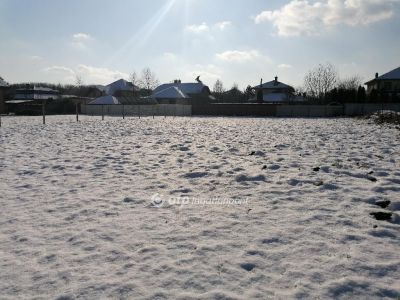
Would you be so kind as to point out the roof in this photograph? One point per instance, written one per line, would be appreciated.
(171, 92)
(274, 84)
(185, 88)
(105, 100)
(3, 83)
(119, 85)
(394, 74)
(19, 101)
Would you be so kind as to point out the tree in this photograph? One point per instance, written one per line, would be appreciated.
(350, 83)
(148, 80)
(320, 80)
(134, 80)
(218, 87)
(249, 92)
(78, 80)
(361, 94)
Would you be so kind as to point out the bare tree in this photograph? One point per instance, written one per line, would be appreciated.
(218, 87)
(320, 80)
(148, 80)
(134, 80)
(78, 80)
(350, 83)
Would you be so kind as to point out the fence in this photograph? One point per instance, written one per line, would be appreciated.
(357, 109)
(138, 110)
(238, 109)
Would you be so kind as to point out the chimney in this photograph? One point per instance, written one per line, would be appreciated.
(376, 75)
(261, 82)
(276, 80)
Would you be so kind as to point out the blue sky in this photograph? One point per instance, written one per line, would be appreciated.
(236, 41)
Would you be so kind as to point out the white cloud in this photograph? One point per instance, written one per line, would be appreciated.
(302, 17)
(238, 56)
(35, 57)
(197, 29)
(223, 25)
(99, 75)
(90, 74)
(81, 41)
(81, 37)
(60, 69)
(285, 66)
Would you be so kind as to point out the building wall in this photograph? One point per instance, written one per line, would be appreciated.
(380, 85)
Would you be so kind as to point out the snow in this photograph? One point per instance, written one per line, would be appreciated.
(184, 88)
(137, 208)
(105, 100)
(171, 92)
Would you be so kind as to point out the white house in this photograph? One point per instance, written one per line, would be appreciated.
(178, 91)
(274, 92)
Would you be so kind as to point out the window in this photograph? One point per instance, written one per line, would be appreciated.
(387, 86)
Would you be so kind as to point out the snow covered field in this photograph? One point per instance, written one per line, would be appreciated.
(91, 210)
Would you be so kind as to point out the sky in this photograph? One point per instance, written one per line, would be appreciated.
(236, 41)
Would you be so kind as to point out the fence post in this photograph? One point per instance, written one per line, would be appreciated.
(123, 111)
(44, 110)
(102, 112)
(77, 111)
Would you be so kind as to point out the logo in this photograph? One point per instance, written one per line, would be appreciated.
(157, 200)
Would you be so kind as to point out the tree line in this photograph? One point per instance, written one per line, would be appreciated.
(322, 85)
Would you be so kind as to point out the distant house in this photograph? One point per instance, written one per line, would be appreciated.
(274, 92)
(4, 86)
(388, 83)
(178, 92)
(121, 87)
(36, 93)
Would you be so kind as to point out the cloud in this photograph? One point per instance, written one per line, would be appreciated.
(35, 58)
(238, 56)
(81, 36)
(285, 66)
(223, 25)
(99, 75)
(81, 40)
(89, 74)
(60, 69)
(197, 29)
(302, 17)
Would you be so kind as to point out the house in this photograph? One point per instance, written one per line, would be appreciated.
(274, 92)
(185, 93)
(121, 87)
(36, 93)
(4, 86)
(387, 84)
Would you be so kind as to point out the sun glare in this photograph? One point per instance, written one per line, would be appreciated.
(140, 38)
